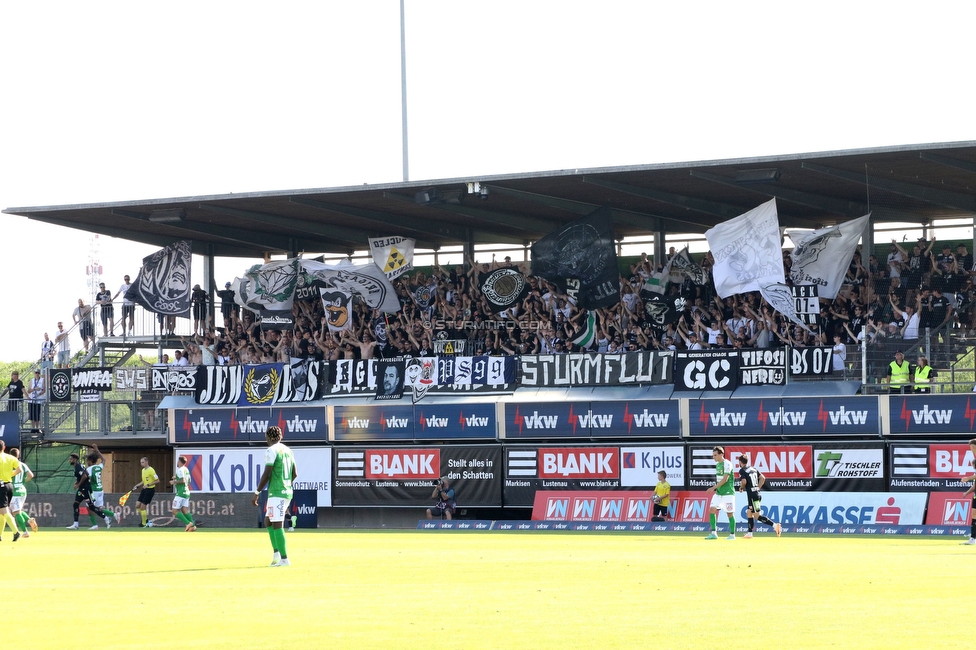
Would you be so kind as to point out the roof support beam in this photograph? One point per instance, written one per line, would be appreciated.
(261, 241)
(121, 233)
(335, 234)
(964, 165)
(638, 219)
(704, 206)
(520, 223)
(431, 229)
(944, 198)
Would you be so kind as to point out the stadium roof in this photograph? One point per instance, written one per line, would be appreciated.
(912, 183)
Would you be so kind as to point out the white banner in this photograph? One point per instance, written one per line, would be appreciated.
(821, 257)
(747, 251)
(239, 470)
(393, 255)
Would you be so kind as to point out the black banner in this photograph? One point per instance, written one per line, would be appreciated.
(582, 260)
(390, 383)
(163, 283)
(810, 362)
(59, 385)
(662, 310)
(279, 320)
(454, 375)
(503, 288)
(706, 370)
(218, 384)
(405, 477)
(593, 369)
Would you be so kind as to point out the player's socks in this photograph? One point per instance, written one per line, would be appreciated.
(763, 519)
(274, 539)
(9, 518)
(22, 519)
(972, 529)
(3, 525)
(280, 536)
(711, 520)
(752, 524)
(731, 525)
(144, 515)
(182, 517)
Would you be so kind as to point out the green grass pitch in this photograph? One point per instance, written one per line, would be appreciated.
(125, 588)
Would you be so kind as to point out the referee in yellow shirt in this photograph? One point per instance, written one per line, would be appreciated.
(148, 484)
(9, 466)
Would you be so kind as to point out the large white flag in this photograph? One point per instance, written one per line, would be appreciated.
(394, 255)
(821, 257)
(747, 251)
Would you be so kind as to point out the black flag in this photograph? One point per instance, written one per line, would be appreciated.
(582, 260)
(163, 283)
(503, 288)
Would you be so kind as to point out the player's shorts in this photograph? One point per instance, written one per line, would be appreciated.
(724, 502)
(17, 503)
(146, 495)
(6, 494)
(275, 509)
(660, 511)
(98, 498)
(181, 502)
(754, 501)
(82, 495)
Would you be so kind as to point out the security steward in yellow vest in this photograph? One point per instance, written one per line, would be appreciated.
(924, 374)
(899, 377)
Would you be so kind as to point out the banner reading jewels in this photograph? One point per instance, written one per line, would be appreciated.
(405, 477)
(595, 369)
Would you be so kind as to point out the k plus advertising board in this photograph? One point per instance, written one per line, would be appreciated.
(406, 476)
(239, 469)
(930, 466)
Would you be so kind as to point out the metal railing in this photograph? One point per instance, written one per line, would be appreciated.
(948, 349)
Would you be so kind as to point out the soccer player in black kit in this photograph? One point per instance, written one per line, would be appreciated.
(750, 482)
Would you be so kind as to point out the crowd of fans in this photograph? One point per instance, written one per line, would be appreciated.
(888, 305)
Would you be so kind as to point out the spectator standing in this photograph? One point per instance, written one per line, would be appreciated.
(839, 357)
(82, 315)
(228, 308)
(48, 351)
(14, 392)
(128, 307)
(199, 299)
(924, 374)
(104, 300)
(64, 346)
(37, 393)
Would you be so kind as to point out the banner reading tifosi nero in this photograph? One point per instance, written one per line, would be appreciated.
(827, 467)
(528, 469)
(930, 467)
(405, 477)
(593, 369)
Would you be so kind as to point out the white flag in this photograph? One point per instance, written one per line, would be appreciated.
(780, 297)
(338, 309)
(821, 257)
(394, 255)
(747, 251)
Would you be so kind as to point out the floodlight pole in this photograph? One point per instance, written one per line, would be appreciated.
(403, 92)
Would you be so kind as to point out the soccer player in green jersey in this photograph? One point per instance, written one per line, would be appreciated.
(96, 502)
(279, 472)
(181, 501)
(20, 496)
(723, 493)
